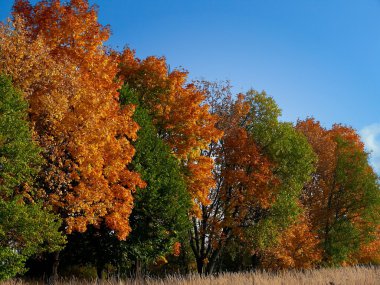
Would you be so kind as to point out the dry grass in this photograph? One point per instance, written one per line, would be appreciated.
(341, 276)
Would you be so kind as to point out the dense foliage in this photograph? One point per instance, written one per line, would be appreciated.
(54, 52)
(26, 227)
(116, 164)
(180, 116)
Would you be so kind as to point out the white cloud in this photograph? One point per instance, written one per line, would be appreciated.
(371, 139)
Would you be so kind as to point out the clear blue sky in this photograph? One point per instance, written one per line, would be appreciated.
(317, 58)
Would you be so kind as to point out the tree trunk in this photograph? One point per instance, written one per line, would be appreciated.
(99, 271)
(212, 261)
(54, 268)
(210, 267)
(255, 259)
(136, 269)
(200, 264)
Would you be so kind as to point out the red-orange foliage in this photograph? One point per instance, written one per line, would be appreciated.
(245, 186)
(317, 192)
(55, 54)
(369, 253)
(177, 109)
(248, 182)
(71, 31)
(297, 248)
(177, 248)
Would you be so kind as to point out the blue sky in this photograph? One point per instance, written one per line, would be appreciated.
(317, 58)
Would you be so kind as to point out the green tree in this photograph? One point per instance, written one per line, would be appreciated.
(26, 227)
(159, 217)
(353, 205)
(294, 163)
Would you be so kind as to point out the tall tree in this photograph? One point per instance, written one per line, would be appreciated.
(343, 197)
(26, 227)
(242, 193)
(260, 170)
(55, 53)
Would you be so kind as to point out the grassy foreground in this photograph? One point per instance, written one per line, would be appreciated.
(346, 276)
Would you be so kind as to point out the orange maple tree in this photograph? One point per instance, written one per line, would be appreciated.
(179, 113)
(55, 54)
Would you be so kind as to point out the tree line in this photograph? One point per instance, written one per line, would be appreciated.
(120, 165)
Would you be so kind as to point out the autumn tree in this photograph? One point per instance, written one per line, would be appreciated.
(342, 198)
(243, 187)
(261, 165)
(178, 112)
(54, 52)
(87, 136)
(26, 227)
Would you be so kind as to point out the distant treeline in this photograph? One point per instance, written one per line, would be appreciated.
(111, 163)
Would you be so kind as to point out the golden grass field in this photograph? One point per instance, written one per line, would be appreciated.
(341, 276)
